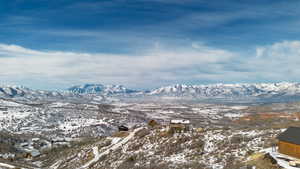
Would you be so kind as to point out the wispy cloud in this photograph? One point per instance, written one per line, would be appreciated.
(279, 60)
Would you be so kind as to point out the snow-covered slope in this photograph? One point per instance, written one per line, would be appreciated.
(100, 89)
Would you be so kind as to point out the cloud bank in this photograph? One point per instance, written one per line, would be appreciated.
(160, 65)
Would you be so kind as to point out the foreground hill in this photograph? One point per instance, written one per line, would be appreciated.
(149, 148)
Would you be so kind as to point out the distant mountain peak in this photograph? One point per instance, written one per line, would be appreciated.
(100, 89)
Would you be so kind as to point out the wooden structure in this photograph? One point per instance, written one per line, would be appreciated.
(289, 142)
(179, 126)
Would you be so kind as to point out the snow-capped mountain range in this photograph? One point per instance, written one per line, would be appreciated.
(282, 91)
(230, 90)
(100, 89)
(20, 91)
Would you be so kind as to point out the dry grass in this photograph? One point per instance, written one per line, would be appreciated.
(121, 134)
(261, 161)
(90, 156)
(165, 134)
(142, 133)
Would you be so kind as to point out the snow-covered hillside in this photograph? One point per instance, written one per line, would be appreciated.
(71, 135)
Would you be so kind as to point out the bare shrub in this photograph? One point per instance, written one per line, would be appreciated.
(142, 133)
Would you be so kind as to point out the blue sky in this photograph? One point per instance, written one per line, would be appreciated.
(148, 43)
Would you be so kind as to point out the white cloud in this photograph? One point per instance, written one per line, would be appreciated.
(284, 50)
(276, 62)
(150, 68)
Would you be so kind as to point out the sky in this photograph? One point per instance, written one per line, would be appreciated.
(146, 44)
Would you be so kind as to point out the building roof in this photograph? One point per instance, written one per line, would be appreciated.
(180, 121)
(290, 135)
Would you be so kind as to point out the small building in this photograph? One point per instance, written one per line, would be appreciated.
(123, 128)
(289, 142)
(179, 125)
(32, 154)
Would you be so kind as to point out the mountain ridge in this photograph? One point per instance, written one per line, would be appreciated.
(282, 90)
(100, 89)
